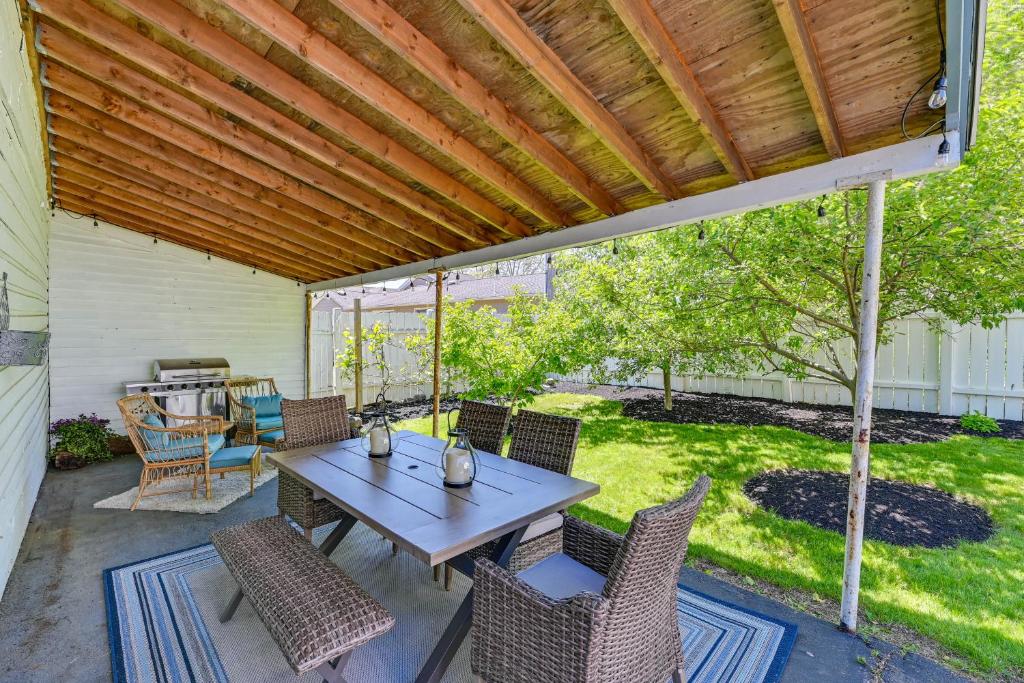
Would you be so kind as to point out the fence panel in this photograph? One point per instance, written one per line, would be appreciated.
(978, 370)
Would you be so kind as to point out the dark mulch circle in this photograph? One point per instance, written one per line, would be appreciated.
(829, 422)
(897, 512)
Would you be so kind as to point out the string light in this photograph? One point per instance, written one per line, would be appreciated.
(615, 247)
(496, 271)
(700, 234)
(822, 215)
(95, 224)
(154, 239)
(208, 257)
(549, 259)
(944, 149)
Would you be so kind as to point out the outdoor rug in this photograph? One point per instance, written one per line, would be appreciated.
(163, 626)
(233, 486)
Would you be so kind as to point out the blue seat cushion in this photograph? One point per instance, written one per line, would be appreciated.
(272, 437)
(154, 440)
(265, 406)
(275, 422)
(559, 576)
(189, 447)
(236, 456)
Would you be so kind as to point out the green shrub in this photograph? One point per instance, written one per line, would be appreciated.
(84, 436)
(976, 422)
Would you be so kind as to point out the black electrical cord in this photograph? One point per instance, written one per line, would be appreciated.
(931, 79)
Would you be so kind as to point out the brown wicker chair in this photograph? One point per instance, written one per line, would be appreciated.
(485, 423)
(192, 449)
(267, 432)
(547, 441)
(602, 612)
(310, 422)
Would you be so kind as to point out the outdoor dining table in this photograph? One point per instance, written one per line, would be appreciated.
(402, 497)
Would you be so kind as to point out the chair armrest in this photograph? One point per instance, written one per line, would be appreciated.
(518, 628)
(589, 544)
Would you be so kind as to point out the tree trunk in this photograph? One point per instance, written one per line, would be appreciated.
(666, 380)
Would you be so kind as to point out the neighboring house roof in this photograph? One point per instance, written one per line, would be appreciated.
(421, 294)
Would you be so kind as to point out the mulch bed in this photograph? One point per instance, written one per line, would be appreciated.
(829, 422)
(897, 512)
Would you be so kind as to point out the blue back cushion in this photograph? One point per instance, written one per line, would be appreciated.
(266, 406)
(154, 440)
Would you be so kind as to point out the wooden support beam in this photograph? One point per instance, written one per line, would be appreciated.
(257, 70)
(307, 43)
(127, 220)
(101, 195)
(438, 308)
(302, 180)
(392, 29)
(860, 461)
(299, 199)
(265, 246)
(140, 181)
(506, 26)
(112, 137)
(808, 66)
(650, 33)
(357, 339)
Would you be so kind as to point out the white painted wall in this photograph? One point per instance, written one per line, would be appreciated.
(23, 235)
(118, 302)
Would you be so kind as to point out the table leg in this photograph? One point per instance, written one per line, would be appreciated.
(458, 628)
(337, 534)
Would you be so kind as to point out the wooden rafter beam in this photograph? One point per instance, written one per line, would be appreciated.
(650, 33)
(176, 234)
(805, 56)
(69, 154)
(112, 184)
(104, 195)
(307, 43)
(508, 28)
(117, 140)
(392, 29)
(148, 55)
(288, 174)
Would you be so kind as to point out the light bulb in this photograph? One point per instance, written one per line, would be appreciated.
(938, 96)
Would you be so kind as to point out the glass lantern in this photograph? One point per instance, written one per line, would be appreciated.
(377, 440)
(458, 460)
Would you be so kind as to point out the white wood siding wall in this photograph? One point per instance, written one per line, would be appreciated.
(118, 302)
(24, 225)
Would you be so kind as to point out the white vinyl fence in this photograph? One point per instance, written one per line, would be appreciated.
(967, 369)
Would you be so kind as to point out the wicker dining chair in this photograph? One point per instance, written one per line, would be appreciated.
(486, 424)
(602, 611)
(251, 428)
(547, 441)
(192, 449)
(310, 422)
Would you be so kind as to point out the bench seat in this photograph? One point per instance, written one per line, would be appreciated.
(315, 612)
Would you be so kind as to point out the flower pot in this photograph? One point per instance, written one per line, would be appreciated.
(64, 460)
(120, 445)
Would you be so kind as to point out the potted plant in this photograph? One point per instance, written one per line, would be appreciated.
(79, 441)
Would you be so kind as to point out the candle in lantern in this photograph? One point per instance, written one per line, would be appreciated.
(379, 441)
(458, 464)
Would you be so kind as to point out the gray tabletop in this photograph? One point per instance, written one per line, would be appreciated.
(403, 497)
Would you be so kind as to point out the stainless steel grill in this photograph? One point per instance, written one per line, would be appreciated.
(187, 386)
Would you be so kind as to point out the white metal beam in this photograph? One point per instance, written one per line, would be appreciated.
(915, 157)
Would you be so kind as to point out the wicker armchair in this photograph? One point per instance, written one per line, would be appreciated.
(604, 611)
(310, 422)
(267, 431)
(547, 441)
(193, 448)
(485, 423)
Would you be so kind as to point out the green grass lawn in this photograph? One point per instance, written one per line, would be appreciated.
(969, 598)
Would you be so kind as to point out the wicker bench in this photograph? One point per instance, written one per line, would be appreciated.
(315, 612)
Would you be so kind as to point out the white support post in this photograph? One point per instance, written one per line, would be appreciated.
(357, 325)
(861, 457)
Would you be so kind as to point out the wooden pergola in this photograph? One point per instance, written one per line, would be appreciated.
(342, 141)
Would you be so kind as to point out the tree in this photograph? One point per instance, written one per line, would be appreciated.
(507, 357)
(779, 289)
(374, 362)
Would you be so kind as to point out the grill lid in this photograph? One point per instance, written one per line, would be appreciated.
(167, 369)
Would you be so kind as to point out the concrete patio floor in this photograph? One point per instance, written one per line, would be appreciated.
(53, 623)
